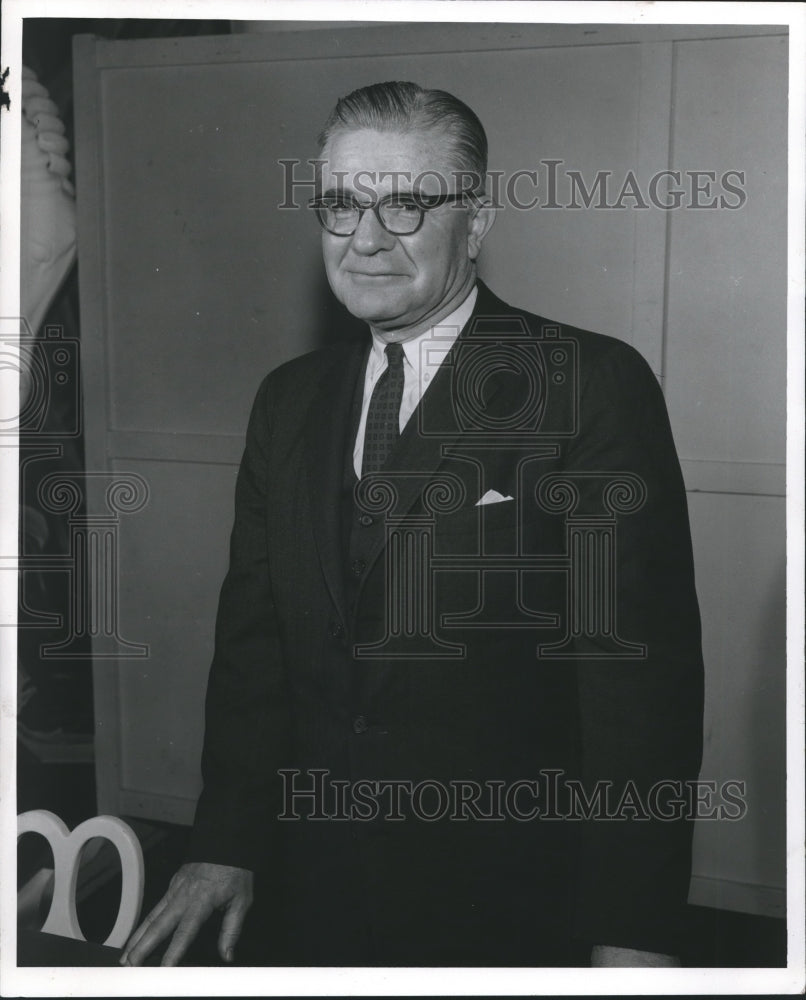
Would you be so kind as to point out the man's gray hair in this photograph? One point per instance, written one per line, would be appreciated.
(407, 107)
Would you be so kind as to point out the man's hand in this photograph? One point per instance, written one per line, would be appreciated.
(606, 956)
(194, 893)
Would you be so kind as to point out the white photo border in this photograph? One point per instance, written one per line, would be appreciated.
(411, 981)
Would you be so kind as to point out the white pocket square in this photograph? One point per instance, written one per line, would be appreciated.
(491, 496)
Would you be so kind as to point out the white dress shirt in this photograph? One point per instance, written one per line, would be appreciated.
(422, 356)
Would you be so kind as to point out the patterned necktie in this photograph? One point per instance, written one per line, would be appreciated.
(383, 416)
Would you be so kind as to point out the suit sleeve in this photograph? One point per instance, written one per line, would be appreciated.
(245, 708)
(640, 720)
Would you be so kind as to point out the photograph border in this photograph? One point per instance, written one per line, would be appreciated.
(412, 981)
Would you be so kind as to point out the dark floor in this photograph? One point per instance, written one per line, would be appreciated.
(717, 938)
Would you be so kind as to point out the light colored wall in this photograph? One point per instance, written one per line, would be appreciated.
(725, 373)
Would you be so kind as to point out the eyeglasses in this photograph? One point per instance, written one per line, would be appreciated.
(400, 215)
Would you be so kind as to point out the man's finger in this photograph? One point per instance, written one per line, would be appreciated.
(136, 936)
(183, 937)
(231, 926)
(154, 934)
(179, 917)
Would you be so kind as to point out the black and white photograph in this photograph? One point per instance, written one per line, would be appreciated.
(402, 605)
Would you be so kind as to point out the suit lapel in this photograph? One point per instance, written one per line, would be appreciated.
(327, 433)
(436, 424)
(433, 428)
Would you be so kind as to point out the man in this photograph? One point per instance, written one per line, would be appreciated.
(460, 573)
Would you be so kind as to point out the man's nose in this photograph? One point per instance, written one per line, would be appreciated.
(370, 236)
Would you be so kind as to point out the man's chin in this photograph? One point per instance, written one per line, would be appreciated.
(376, 307)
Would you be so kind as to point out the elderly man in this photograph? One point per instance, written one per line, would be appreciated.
(456, 692)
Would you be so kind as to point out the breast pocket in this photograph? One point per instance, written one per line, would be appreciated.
(491, 527)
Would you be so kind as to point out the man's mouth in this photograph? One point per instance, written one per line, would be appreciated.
(374, 275)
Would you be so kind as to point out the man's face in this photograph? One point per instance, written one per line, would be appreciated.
(400, 285)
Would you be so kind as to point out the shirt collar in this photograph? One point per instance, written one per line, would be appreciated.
(426, 352)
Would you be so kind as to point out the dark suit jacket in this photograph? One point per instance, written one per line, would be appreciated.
(560, 635)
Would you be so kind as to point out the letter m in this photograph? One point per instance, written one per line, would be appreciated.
(598, 187)
(582, 807)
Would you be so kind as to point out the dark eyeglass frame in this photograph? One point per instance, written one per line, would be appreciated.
(424, 203)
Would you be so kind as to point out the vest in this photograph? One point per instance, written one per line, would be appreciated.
(358, 529)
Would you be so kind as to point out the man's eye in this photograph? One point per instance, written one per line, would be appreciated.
(339, 207)
(403, 207)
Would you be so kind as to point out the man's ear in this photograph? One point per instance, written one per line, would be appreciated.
(480, 222)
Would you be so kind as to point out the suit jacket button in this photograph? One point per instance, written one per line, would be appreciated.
(358, 567)
(336, 630)
(360, 724)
